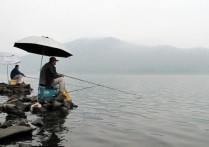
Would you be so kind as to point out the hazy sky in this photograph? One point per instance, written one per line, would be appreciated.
(181, 23)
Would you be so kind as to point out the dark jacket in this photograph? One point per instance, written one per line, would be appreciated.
(48, 73)
(15, 72)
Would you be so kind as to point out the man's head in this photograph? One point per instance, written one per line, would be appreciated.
(53, 60)
(16, 66)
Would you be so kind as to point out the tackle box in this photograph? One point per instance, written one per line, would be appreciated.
(47, 93)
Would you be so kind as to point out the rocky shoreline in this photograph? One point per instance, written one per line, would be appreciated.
(15, 89)
(17, 109)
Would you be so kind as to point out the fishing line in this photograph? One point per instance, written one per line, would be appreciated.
(76, 85)
(81, 89)
(104, 86)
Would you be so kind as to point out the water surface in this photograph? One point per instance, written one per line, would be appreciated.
(170, 111)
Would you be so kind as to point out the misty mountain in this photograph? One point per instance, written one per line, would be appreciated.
(110, 55)
(113, 55)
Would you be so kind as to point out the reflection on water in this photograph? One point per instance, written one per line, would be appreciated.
(173, 112)
(52, 127)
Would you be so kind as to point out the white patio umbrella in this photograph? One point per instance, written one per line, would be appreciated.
(9, 59)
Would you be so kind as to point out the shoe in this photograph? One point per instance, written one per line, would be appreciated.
(68, 97)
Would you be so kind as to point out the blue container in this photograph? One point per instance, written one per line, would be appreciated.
(47, 93)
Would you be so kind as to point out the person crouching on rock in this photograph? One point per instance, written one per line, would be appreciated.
(16, 74)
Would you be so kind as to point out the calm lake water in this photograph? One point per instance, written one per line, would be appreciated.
(171, 111)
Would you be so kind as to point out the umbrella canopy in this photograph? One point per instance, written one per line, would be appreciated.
(43, 46)
(9, 58)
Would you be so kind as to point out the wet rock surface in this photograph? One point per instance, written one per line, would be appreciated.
(15, 89)
(14, 130)
(17, 109)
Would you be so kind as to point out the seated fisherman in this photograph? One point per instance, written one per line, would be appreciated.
(49, 77)
(16, 74)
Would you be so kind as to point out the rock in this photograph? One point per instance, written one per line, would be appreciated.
(27, 86)
(20, 106)
(9, 106)
(13, 89)
(48, 106)
(26, 99)
(14, 111)
(27, 104)
(74, 105)
(37, 110)
(11, 117)
(49, 101)
(6, 124)
(57, 104)
(38, 122)
(23, 145)
(22, 85)
(15, 130)
(22, 122)
(34, 106)
(1, 108)
(20, 113)
(68, 105)
(64, 110)
(11, 101)
(34, 99)
(60, 98)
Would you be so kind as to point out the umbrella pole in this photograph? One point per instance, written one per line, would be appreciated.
(42, 58)
(41, 61)
(7, 74)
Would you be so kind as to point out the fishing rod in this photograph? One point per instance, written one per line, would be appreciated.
(31, 77)
(102, 85)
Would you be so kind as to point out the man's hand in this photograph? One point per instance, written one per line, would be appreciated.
(61, 75)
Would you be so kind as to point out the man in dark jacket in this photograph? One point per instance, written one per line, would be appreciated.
(49, 76)
(16, 74)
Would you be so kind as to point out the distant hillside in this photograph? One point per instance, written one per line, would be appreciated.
(110, 55)
(113, 55)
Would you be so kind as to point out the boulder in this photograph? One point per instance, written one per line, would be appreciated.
(60, 98)
(39, 110)
(9, 106)
(6, 124)
(38, 122)
(21, 106)
(26, 99)
(1, 108)
(64, 110)
(11, 117)
(14, 111)
(57, 105)
(34, 99)
(14, 130)
(22, 122)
